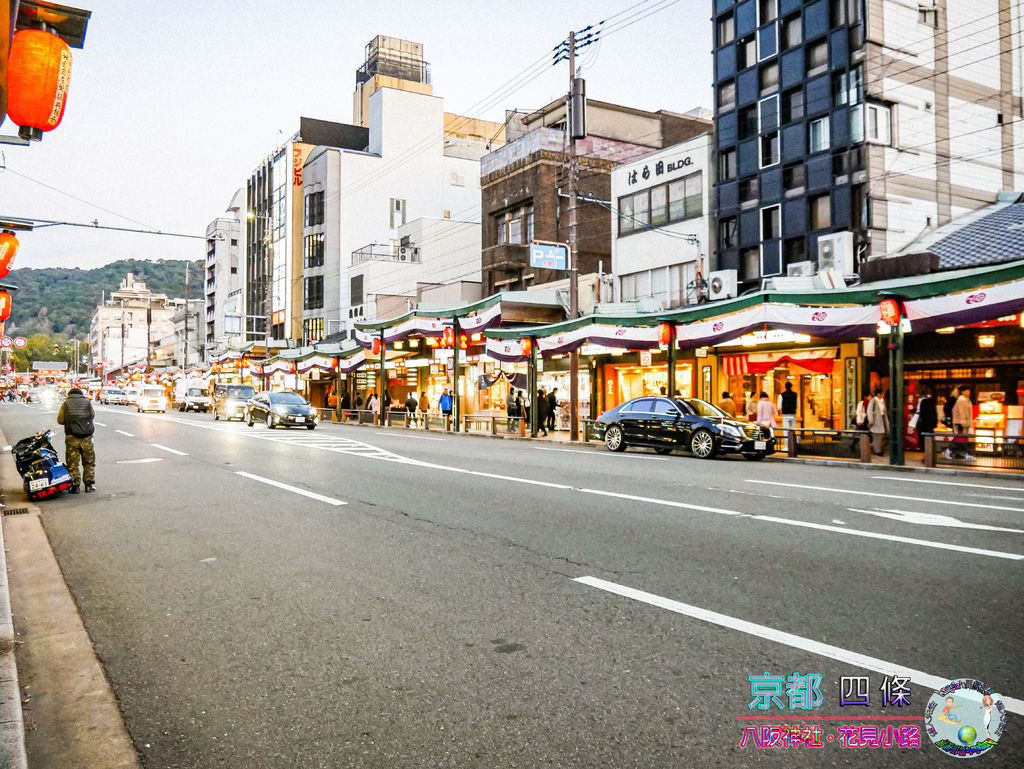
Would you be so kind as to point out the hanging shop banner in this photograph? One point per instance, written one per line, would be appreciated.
(628, 337)
(279, 367)
(851, 322)
(508, 350)
(317, 363)
(431, 327)
(351, 363)
(818, 361)
(255, 369)
(482, 320)
(487, 381)
(966, 307)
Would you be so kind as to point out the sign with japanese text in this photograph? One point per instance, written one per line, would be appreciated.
(660, 168)
(549, 256)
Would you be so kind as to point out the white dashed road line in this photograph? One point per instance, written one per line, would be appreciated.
(130, 435)
(946, 483)
(414, 437)
(143, 461)
(168, 448)
(845, 656)
(293, 489)
(887, 496)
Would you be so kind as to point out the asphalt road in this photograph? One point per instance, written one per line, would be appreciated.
(424, 606)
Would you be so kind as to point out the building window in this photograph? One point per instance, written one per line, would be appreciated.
(794, 179)
(314, 209)
(928, 14)
(234, 242)
(312, 330)
(529, 224)
(659, 204)
(510, 226)
(398, 212)
(817, 58)
(313, 293)
(727, 165)
(748, 192)
(821, 212)
(726, 95)
(877, 126)
(771, 227)
(769, 11)
(726, 30)
(769, 149)
(769, 78)
(458, 180)
(686, 197)
(313, 250)
(234, 270)
(355, 293)
(792, 105)
(847, 87)
(794, 250)
(817, 135)
(747, 122)
(671, 202)
(727, 233)
(750, 263)
(746, 52)
(792, 32)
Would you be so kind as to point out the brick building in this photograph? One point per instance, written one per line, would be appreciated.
(524, 185)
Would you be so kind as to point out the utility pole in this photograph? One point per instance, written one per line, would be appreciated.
(184, 364)
(574, 310)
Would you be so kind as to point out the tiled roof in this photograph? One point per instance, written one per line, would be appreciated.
(991, 235)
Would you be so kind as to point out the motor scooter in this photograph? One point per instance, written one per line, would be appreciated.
(40, 467)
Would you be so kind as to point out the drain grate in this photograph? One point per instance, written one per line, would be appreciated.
(15, 510)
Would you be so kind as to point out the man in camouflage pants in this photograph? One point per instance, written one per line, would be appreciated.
(76, 414)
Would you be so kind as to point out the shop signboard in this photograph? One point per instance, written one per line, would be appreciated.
(645, 358)
(549, 256)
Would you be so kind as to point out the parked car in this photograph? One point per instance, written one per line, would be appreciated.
(281, 409)
(112, 396)
(151, 399)
(229, 400)
(665, 424)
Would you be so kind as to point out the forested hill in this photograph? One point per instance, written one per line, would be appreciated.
(63, 300)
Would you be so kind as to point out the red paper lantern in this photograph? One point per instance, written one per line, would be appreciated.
(8, 248)
(665, 333)
(890, 311)
(5, 305)
(526, 344)
(38, 74)
(448, 338)
(376, 346)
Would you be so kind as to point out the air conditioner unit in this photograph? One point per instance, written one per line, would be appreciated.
(800, 269)
(835, 252)
(405, 253)
(722, 284)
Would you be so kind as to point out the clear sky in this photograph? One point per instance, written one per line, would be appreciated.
(173, 104)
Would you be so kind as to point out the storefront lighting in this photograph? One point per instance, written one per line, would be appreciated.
(414, 343)
(398, 345)
(987, 340)
(946, 330)
(476, 337)
(38, 73)
(749, 340)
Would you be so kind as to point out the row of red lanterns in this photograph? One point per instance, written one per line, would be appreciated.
(38, 75)
(8, 249)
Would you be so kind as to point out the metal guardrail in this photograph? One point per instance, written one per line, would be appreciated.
(998, 452)
(493, 424)
(814, 442)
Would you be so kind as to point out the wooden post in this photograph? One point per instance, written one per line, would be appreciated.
(790, 443)
(865, 448)
(929, 451)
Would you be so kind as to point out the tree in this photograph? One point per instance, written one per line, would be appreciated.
(46, 347)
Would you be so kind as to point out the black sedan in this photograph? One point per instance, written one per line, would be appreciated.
(281, 409)
(665, 424)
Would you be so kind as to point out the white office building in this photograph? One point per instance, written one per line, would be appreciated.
(224, 278)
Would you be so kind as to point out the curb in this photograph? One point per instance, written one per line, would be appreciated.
(849, 464)
(12, 720)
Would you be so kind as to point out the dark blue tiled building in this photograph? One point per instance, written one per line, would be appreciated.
(789, 101)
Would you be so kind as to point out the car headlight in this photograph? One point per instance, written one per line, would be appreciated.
(312, 411)
(732, 431)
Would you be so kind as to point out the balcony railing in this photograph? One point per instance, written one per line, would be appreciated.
(381, 252)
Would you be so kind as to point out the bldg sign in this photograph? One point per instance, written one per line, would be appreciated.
(549, 256)
(660, 168)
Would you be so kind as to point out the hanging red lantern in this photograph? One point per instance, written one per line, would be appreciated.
(376, 346)
(665, 333)
(5, 305)
(463, 341)
(526, 345)
(38, 74)
(448, 339)
(890, 311)
(8, 248)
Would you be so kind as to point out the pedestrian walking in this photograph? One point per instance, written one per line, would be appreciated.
(860, 420)
(511, 408)
(445, 404)
(410, 406)
(542, 411)
(926, 416)
(524, 405)
(878, 421)
(346, 400)
(728, 405)
(552, 407)
(373, 404)
(76, 414)
(963, 418)
(750, 408)
(947, 409)
(766, 411)
(359, 401)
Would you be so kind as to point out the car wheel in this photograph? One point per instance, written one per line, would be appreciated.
(216, 417)
(702, 444)
(310, 427)
(754, 457)
(665, 450)
(270, 422)
(248, 420)
(613, 439)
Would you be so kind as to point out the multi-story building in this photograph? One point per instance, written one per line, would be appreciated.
(224, 278)
(847, 128)
(401, 213)
(662, 236)
(524, 185)
(124, 327)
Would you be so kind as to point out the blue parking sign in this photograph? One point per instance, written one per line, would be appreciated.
(549, 256)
